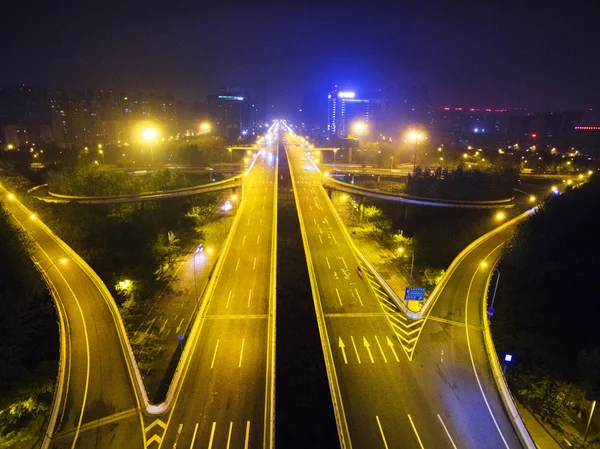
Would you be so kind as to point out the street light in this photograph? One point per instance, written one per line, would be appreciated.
(204, 128)
(149, 135)
(358, 128)
(415, 137)
(101, 152)
(199, 249)
(500, 216)
(334, 154)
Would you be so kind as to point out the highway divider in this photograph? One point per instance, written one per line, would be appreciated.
(336, 397)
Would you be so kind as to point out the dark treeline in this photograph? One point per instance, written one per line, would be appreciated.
(28, 339)
(546, 306)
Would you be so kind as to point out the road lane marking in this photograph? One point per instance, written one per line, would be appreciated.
(328, 264)
(215, 354)
(339, 298)
(359, 298)
(258, 239)
(315, 220)
(163, 326)
(381, 349)
(471, 353)
(228, 298)
(416, 433)
(310, 207)
(244, 240)
(229, 434)
(343, 348)
(249, 297)
(355, 348)
(368, 346)
(260, 222)
(194, 436)
(212, 435)
(333, 237)
(247, 435)
(237, 264)
(254, 264)
(248, 222)
(391, 345)
(241, 353)
(447, 433)
(180, 323)
(381, 431)
(320, 238)
(344, 260)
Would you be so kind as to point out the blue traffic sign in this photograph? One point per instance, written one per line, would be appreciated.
(414, 294)
(180, 336)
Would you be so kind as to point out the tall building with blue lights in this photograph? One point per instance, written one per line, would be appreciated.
(345, 107)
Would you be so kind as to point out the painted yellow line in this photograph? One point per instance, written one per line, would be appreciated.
(416, 433)
(228, 435)
(247, 440)
(212, 364)
(212, 435)
(241, 353)
(381, 431)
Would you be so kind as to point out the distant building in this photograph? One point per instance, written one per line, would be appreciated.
(417, 106)
(232, 112)
(345, 107)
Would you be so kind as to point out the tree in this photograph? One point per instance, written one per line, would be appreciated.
(376, 218)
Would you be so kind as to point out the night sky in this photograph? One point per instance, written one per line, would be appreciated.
(509, 54)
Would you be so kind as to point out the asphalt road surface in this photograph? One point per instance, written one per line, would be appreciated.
(391, 390)
(225, 399)
(98, 388)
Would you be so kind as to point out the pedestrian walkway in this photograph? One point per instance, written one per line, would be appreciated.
(541, 437)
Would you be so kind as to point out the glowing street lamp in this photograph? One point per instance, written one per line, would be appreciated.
(149, 136)
(101, 152)
(204, 128)
(415, 137)
(500, 216)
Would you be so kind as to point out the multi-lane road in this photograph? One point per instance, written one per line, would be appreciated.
(226, 396)
(395, 383)
(443, 397)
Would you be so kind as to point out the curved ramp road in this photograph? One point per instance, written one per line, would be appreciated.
(390, 389)
(96, 389)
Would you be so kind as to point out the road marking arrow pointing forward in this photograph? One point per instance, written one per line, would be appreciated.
(390, 343)
(343, 348)
(368, 346)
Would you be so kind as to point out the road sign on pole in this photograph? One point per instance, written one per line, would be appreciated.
(414, 294)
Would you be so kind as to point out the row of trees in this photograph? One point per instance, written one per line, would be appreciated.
(89, 180)
(546, 311)
(28, 339)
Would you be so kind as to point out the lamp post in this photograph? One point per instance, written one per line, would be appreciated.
(198, 250)
(149, 135)
(392, 164)
(358, 128)
(415, 137)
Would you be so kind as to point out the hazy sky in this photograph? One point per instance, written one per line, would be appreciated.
(509, 54)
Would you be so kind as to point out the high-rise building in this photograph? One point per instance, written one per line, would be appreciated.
(232, 112)
(417, 106)
(345, 107)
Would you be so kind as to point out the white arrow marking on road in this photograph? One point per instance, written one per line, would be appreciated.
(229, 435)
(343, 348)
(179, 327)
(163, 326)
(212, 435)
(355, 348)
(381, 349)
(156, 422)
(368, 346)
(241, 353)
(328, 264)
(247, 435)
(391, 345)
(215, 354)
(339, 298)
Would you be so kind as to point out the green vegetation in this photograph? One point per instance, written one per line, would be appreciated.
(546, 307)
(87, 180)
(28, 342)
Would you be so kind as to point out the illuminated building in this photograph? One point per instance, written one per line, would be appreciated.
(345, 107)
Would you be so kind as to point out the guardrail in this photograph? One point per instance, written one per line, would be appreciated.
(423, 201)
(236, 181)
(497, 372)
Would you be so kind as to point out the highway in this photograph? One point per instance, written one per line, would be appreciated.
(225, 398)
(97, 389)
(390, 389)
